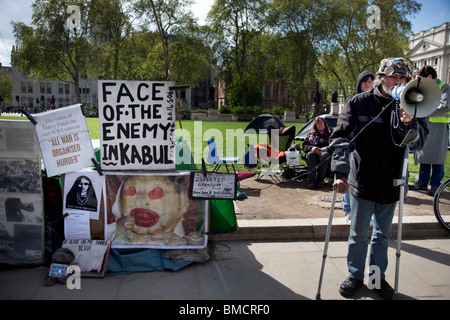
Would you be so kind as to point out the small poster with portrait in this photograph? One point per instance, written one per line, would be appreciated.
(153, 210)
(82, 196)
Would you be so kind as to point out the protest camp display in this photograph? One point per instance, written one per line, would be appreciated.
(153, 210)
(64, 140)
(21, 196)
(137, 125)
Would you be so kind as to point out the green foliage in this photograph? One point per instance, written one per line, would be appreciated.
(247, 41)
(5, 87)
(225, 109)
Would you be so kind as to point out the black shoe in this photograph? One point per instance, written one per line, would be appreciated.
(349, 286)
(385, 291)
(417, 186)
(432, 191)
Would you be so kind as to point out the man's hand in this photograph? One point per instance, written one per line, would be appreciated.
(404, 117)
(341, 185)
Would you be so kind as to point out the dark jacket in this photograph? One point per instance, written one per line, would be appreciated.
(376, 159)
(315, 139)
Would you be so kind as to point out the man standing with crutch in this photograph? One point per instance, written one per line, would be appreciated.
(376, 161)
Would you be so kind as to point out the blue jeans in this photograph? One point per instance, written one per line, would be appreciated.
(362, 210)
(346, 203)
(437, 174)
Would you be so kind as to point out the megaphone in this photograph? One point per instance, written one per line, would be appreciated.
(419, 97)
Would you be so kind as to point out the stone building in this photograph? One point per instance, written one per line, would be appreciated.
(431, 47)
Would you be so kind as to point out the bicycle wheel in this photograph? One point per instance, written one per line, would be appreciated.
(441, 204)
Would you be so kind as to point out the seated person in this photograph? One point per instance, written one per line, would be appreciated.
(317, 153)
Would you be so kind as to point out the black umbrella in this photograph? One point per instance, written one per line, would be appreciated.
(262, 122)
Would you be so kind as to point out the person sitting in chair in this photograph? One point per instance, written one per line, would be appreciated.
(317, 153)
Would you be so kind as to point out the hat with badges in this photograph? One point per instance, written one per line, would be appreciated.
(395, 66)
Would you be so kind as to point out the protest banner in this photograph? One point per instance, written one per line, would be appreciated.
(137, 125)
(64, 140)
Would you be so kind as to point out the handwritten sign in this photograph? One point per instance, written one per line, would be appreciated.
(137, 125)
(213, 186)
(64, 140)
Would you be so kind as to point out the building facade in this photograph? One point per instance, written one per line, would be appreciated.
(431, 47)
(39, 95)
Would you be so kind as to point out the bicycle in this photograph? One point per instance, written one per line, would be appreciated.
(441, 204)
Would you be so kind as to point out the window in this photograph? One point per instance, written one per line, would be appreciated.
(60, 88)
(267, 91)
(66, 87)
(436, 60)
(23, 87)
(30, 87)
(42, 85)
(49, 88)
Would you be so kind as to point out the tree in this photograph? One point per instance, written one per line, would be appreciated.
(188, 59)
(351, 47)
(5, 88)
(298, 26)
(237, 25)
(111, 26)
(52, 50)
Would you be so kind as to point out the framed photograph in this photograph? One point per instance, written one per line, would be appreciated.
(153, 210)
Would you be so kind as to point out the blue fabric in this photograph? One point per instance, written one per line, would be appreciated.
(123, 261)
(250, 160)
(437, 174)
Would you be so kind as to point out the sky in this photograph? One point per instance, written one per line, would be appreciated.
(433, 13)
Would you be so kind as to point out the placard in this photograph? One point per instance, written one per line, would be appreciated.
(82, 192)
(137, 125)
(64, 139)
(214, 185)
(91, 256)
(153, 210)
(21, 197)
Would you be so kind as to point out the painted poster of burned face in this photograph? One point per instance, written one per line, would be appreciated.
(154, 211)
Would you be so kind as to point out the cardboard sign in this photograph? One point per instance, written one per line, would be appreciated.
(64, 139)
(213, 186)
(91, 256)
(137, 125)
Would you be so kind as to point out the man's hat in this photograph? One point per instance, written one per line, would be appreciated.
(395, 66)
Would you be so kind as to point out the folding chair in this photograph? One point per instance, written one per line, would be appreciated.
(270, 158)
(213, 158)
(286, 136)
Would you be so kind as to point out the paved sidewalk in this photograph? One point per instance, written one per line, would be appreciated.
(251, 270)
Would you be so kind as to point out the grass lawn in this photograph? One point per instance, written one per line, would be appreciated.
(237, 146)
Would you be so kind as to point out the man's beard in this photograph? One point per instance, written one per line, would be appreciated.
(386, 89)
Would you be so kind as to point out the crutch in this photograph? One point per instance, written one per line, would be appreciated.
(402, 182)
(327, 239)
